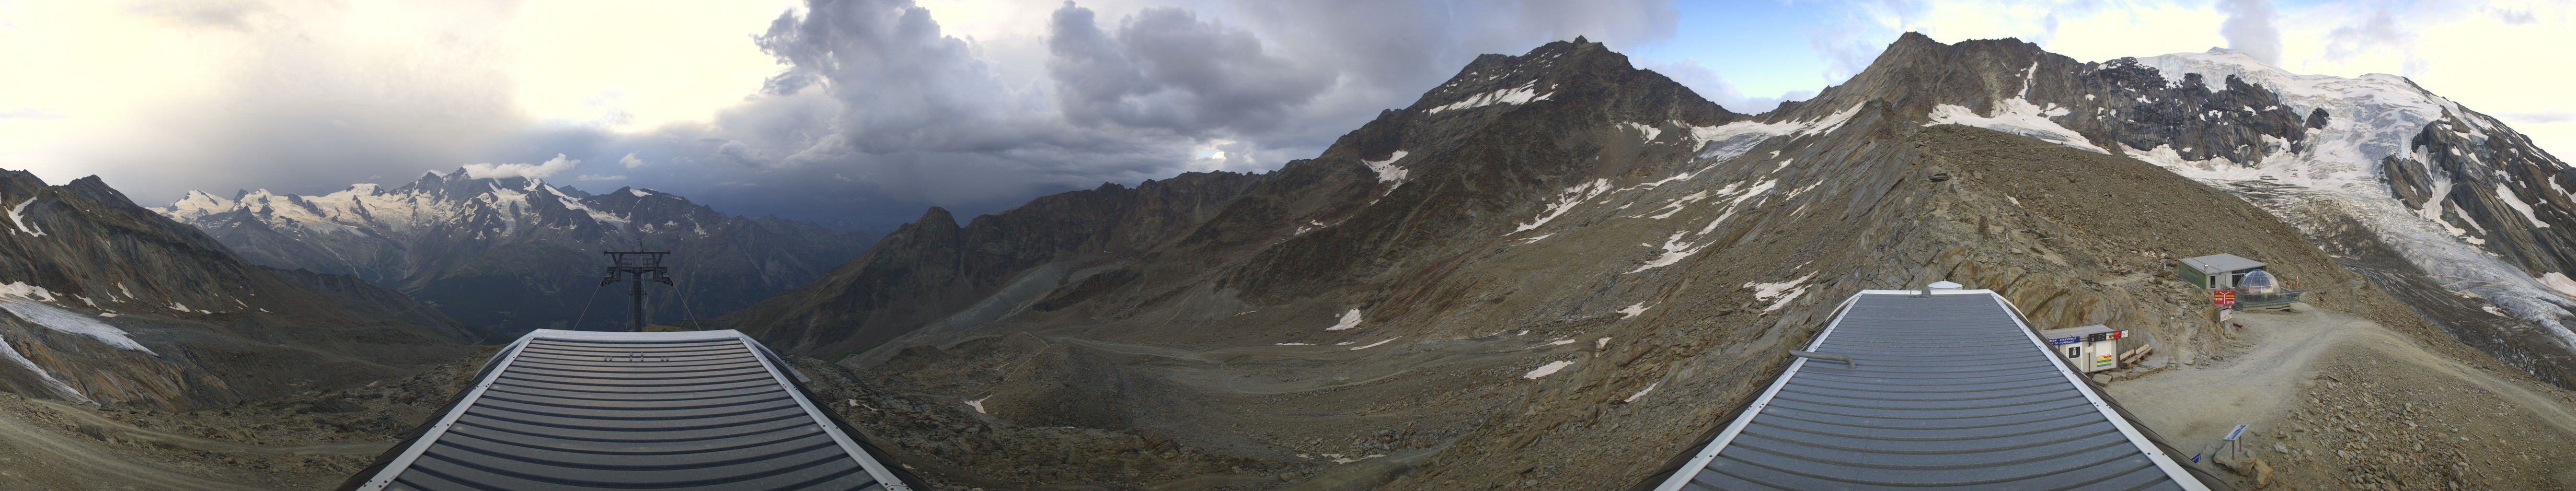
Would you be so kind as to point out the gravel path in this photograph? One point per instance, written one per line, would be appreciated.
(2280, 356)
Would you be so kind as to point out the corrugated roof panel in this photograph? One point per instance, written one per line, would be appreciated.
(565, 410)
(2220, 263)
(1949, 391)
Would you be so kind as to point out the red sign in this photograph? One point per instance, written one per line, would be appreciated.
(2222, 297)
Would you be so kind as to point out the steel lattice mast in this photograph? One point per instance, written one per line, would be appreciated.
(637, 267)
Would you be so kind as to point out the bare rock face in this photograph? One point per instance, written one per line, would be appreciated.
(108, 302)
(508, 255)
(933, 268)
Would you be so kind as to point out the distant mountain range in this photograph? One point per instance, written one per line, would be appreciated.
(507, 255)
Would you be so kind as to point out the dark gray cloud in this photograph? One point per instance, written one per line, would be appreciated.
(2250, 29)
(876, 112)
(1166, 69)
(879, 113)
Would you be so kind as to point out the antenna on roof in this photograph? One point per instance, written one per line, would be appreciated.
(638, 266)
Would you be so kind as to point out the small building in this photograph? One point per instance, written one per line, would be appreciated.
(2216, 271)
(2091, 348)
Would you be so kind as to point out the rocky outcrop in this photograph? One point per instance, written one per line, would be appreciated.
(512, 254)
(107, 301)
(933, 268)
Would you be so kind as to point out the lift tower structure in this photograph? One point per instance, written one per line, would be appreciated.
(637, 267)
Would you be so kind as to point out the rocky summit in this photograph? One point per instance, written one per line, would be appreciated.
(509, 254)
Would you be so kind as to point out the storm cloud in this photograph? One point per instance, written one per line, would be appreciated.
(875, 111)
(879, 113)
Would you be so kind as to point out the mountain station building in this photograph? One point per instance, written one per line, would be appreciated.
(2216, 271)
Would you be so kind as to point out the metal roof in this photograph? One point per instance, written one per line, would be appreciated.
(573, 410)
(1948, 390)
(2221, 263)
(2075, 331)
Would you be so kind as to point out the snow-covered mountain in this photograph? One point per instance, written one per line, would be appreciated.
(510, 254)
(101, 300)
(2471, 216)
(2456, 192)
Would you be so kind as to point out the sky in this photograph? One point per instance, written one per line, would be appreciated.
(868, 111)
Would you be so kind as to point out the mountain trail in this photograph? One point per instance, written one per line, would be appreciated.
(2312, 370)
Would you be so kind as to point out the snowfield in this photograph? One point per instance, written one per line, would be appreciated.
(1349, 320)
(16, 217)
(2370, 118)
(1545, 370)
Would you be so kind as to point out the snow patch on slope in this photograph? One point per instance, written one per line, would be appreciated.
(1373, 345)
(1525, 94)
(66, 390)
(1731, 140)
(70, 323)
(1785, 291)
(1641, 393)
(1675, 248)
(2017, 116)
(17, 217)
(1387, 171)
(1349, 320)
(1650, 131)
(2514, 201)
(1565, 202)
(1545, 370)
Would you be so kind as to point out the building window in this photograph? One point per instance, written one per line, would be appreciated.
(2076, 351)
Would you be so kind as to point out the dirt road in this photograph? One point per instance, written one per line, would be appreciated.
(2274, 375)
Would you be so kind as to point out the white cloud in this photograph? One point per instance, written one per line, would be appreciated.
(630, 161)
(597, 177)
(2250, 29)
(532, 171)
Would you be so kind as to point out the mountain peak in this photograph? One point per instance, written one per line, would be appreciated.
(937, 215)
